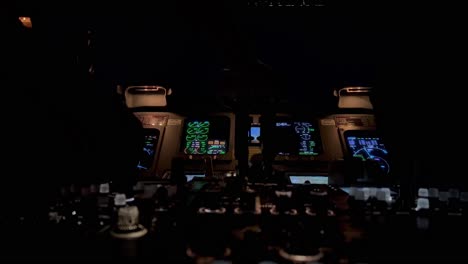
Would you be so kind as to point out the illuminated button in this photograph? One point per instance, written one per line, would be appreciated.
(422, 203)
(372, 192)
(352, 191)
(104, 188)
(423, 192)
(120, 199)
(204, 210)
(362, 194)
(383, 194)
(54, 216)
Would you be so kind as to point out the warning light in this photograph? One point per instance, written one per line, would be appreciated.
(26, 21)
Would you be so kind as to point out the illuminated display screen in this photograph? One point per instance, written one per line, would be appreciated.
(209, 136)
(308, 179)
(190, 177)
(367, 146)
(297, 138)
(149, 149)
(254, 135)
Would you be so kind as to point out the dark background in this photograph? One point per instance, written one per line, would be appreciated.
(62, 124)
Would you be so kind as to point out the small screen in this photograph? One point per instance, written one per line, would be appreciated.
(254, 135)
(297, 138)
(308, 179)
(190, 177)
(367, 146)
(206, 136)
(149, 149)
